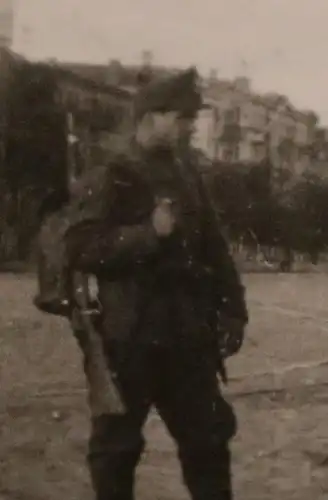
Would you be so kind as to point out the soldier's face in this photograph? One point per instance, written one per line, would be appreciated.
(163, 128)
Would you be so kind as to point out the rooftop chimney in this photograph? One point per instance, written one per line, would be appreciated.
(145, 74)
(213, 75)
(242, 83)
(147, 58)
(114, 72)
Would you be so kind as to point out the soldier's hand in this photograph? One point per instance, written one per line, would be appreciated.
(232, 335)
(163, 219)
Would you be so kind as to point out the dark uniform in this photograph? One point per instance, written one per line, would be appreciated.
(160, 299)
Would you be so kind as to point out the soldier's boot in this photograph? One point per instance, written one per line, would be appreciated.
(207, 474)
(115, 450)
(108, 486)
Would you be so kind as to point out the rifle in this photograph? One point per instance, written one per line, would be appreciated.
(104, 397)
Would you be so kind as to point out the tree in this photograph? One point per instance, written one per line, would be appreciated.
(229, 190)
(311, 199)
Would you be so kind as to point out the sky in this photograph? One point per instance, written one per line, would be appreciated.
(282, 45)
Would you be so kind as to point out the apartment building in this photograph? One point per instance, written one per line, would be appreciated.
(224, 99)
(238, 125)
(291, 133)
(247, 127)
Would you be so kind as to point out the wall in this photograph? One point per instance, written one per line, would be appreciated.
(204, 137)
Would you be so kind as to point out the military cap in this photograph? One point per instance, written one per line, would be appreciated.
(175, 93)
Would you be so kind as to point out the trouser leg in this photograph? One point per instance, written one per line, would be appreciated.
(207, 471)
(200, 420)
(116, 441)
(115, 448)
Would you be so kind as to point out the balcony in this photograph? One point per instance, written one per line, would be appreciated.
(256, 138)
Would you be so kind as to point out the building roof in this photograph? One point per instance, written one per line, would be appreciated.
(124, 76)
(90, 83)
(10, 54)
(95, 72)
(123, 80)
(88, 78)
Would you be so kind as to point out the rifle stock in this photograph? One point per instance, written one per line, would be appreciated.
(104, 397)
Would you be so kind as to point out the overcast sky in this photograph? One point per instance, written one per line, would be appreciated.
(283, 42)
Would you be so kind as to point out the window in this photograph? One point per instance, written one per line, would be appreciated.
(290, 131)
(228, 116)
(235, 152)
(232, 116)
(237, 114)
(228, 154)
(216, 115)
(258, 152)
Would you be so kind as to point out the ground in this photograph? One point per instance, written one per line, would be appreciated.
(278, 387)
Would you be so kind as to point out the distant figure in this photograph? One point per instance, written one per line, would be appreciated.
(286, 264)
(172, 304)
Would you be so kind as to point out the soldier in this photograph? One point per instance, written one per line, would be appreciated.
(170, 297)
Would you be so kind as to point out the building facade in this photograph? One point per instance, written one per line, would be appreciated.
(246, 127)
(238, 125)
